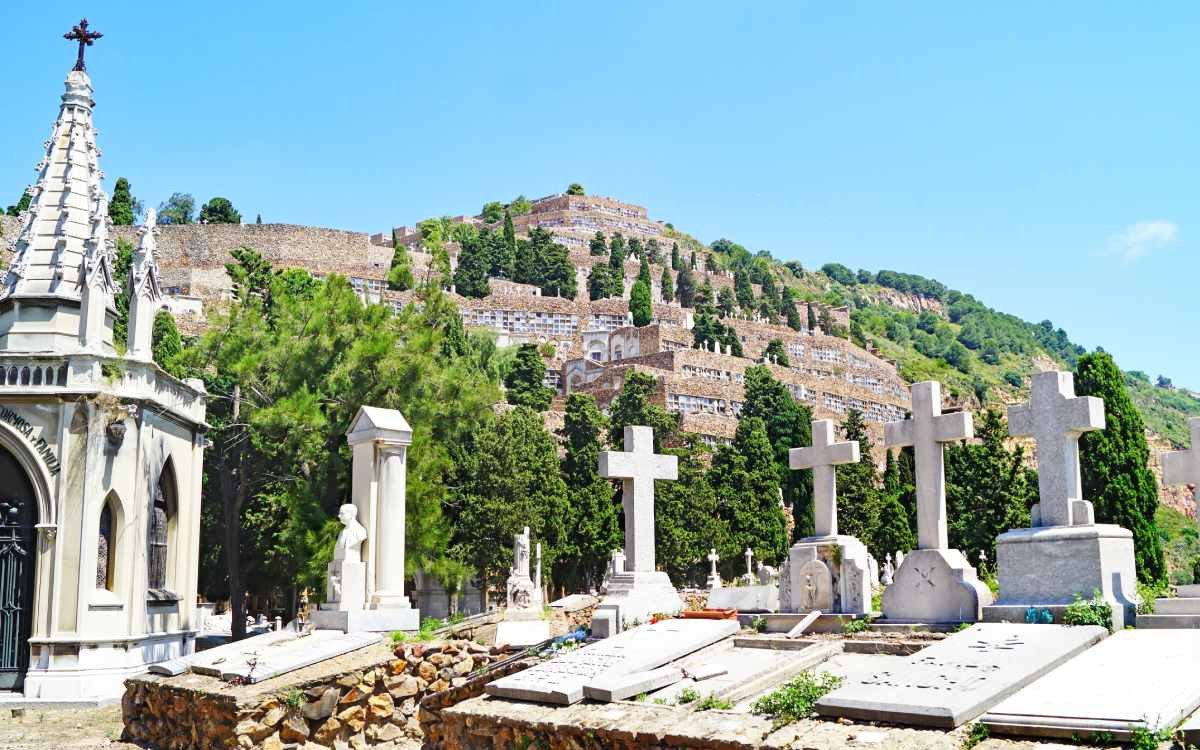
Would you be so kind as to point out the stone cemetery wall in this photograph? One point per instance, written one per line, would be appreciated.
(370, 696)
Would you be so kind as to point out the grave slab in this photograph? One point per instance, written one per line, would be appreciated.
(561, 680)
(273, 663)
(620, 687)
(1135, 678)
(368, 620)
(961, 677)
(210, 662)
(522, 632)
(574, 602)
(745, 598)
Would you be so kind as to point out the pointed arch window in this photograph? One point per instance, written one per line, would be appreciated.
(159, 517)
(105, 549)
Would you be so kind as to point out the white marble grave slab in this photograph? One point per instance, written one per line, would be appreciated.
(574, 602)
(522, 632)
(302, 652)
(213, 660)
(961, 677)
(641, 649)
(1136, 678)
(619, 687)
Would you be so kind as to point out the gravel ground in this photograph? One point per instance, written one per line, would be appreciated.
(80, 729)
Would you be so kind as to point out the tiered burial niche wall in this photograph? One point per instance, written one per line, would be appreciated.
(368, 697)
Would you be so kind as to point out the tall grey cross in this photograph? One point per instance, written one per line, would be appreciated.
(1055, 418)
(925, 432)
(638, 465)
(821, 457)
(1183, 467)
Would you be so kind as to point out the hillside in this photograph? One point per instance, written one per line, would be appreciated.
(983, 356)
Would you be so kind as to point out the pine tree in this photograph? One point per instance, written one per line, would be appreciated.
(789, 424)
(685, 288)
(471, 275)
(524, 381)
(745, 478)
(219, 211)
(668, 286)
(640, 306)
(988, 488)
(598, 245)
(592, 522)
(857, 485)
(1114, 464)
(120, 208)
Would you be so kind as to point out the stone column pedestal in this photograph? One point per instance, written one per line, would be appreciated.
(935, 586)
(1046, 567)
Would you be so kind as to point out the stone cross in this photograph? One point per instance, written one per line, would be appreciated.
(85, 38)
(749, 555)
(821, 457)
(714, 578)
(1055, 418)
(926, 431)
(1183, 467)
(638, 466)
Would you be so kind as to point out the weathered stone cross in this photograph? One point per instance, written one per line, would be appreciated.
(1055, 418)
(1183, 467)
(925, 432)
(85, 38)
(638, 466)
(821, 457)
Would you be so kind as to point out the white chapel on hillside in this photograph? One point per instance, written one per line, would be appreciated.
(100, 454)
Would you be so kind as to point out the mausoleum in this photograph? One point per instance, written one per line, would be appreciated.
(100, 449)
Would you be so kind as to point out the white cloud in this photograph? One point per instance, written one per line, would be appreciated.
(1140, 238)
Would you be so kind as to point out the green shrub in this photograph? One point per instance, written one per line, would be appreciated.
(795, 700)
(977, 733)
(1095, 611)
(856, 626)
(759, 624)
(398, 637)
(712, 702)
(1148, 592)
(687, 695)
(293, 699)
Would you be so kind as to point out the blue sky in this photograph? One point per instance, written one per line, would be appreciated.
(1042, 159)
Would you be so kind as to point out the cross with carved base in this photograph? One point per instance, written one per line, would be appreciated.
(85, 38)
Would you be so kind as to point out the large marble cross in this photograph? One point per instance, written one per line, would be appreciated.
(821, 457)
(926, 431)
(1183, 467)
(638, 465)
(1055, 418)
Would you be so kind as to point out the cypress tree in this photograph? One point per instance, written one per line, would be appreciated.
(668, 286)
(692, 262)
(471, 275)
(789, 424)
(685, 288)
(1114, 464)
(894, 534)
(746, 481)
(640, 306)
(598, 245)
(675, 264)
(632, 407)
(165, 345)
(726, 302)
(510, 234)
(120, 208)
(812, 317)
(857, 484)
(644, 271)
(686, 521)
(524, 381)
(21, 205)
(400, 277)
(591, 524)
(988, 488)
(599, 281)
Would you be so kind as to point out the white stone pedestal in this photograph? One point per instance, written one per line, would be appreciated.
(642, 594)
(829, 574)
(349, 593)
(1045, 567)
(935, 586)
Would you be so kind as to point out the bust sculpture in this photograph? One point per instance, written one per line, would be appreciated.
(346, 574)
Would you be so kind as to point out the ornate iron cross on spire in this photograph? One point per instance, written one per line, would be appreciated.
(85, 38)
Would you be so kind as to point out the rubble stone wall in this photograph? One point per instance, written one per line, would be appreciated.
(374, 705)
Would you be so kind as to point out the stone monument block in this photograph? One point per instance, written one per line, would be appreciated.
(745, 598)
(829, 574)
(935, 586)
(958, 679)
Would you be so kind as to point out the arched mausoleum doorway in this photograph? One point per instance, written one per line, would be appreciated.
(18, 555)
